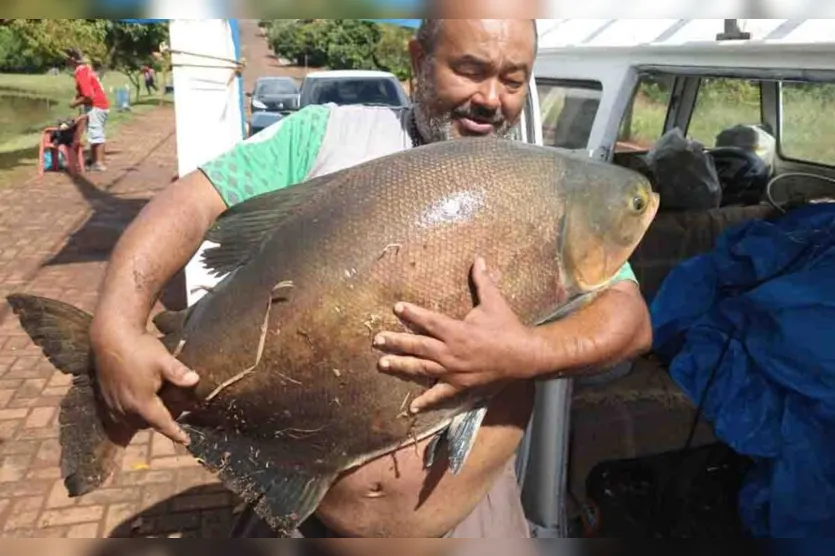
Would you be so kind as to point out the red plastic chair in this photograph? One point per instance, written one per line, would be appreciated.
(73, 153)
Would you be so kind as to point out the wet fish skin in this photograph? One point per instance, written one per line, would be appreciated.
(294, 397)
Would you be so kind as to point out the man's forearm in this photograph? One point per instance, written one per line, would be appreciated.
(159, 242)
(611, 329)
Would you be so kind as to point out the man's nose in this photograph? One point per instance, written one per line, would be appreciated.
(488, 96)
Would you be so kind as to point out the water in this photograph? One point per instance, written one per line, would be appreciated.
(20, 114)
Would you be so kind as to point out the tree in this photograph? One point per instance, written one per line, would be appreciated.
(351, 43)
(392, 51)
(43, 41)
(131, 46)
(342, 44)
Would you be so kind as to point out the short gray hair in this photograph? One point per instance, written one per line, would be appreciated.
(430, 29)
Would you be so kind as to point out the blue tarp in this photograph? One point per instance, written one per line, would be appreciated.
(765, 297)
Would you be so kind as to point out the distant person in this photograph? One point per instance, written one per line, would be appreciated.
(150, 79)
(90, 95)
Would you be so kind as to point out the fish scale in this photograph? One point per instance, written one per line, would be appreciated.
(290, 396)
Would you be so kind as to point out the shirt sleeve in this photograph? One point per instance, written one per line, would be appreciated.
(273, 159)
(625, 273)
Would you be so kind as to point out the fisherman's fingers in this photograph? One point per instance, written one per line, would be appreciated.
(412, 367)
(486, 283)
(430, 322)
(435, 396)
(425, 347)
(178, 374)
(159, 418)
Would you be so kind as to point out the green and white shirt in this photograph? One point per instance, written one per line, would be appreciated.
(314, 141)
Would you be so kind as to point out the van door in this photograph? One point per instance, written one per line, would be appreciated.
(542, 458)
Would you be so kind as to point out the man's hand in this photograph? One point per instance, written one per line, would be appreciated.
(131, 369)
(481, 353)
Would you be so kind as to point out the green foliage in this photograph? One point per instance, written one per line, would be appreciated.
(36, 45)
(392, 52)
(131, 46)
(342, 44)
(12, 58)
(40, 43)
(351, 42)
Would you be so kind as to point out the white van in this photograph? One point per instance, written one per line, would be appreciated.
(612, 89)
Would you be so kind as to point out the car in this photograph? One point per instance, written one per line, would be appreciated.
(346, 87)
(262, 119)
(274, 94)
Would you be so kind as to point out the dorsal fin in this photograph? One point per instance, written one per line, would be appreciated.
(241, 230)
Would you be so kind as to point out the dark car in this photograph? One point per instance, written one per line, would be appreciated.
(262, 120)
(274, 94)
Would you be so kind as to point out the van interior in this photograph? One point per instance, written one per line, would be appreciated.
(637, 441)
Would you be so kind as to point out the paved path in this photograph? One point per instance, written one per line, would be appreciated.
(55, 237)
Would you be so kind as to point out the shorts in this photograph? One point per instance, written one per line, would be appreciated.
(96, 118)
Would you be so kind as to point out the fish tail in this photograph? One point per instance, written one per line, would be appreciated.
(89, 453)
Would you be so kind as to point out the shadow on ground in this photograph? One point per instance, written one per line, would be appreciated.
(11, 160)
(200, 512)
(95, 239)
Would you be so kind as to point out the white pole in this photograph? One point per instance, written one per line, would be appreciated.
(208, 99)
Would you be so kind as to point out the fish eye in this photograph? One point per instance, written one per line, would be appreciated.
(638, 203)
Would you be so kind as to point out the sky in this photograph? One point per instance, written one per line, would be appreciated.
(403, 22)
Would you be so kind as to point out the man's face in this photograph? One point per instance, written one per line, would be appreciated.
(475, 82)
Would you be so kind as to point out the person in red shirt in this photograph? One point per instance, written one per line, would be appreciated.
(91, 96)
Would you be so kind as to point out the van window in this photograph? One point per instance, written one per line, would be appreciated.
(723, 103)
(643, 121)
(568, 111)
(806, 122)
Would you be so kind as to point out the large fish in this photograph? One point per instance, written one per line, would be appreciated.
(290, 396)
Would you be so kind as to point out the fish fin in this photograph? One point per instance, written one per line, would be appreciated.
(88, 454)
(283, 496)
(432, 451)
(572, 306)
(172, 325)
(242, 229)
(171, 322)
(461, 436)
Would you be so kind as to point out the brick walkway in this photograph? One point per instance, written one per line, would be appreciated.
(55, 237)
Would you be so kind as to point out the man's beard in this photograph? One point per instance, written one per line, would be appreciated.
(435, 124)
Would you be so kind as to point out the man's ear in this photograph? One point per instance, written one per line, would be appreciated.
(418, 56)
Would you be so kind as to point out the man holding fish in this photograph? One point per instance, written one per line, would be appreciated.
(472, 81)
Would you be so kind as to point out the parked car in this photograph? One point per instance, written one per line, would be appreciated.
(346, 87)
(262, 119)
(274, 94)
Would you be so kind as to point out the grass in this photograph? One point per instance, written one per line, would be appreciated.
(808, 132)
(45, 99)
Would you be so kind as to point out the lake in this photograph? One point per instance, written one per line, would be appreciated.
(20, 114)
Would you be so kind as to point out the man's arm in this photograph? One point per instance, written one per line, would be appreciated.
(157, 244)
(491, 346)
(131, 363)
(612, 328)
